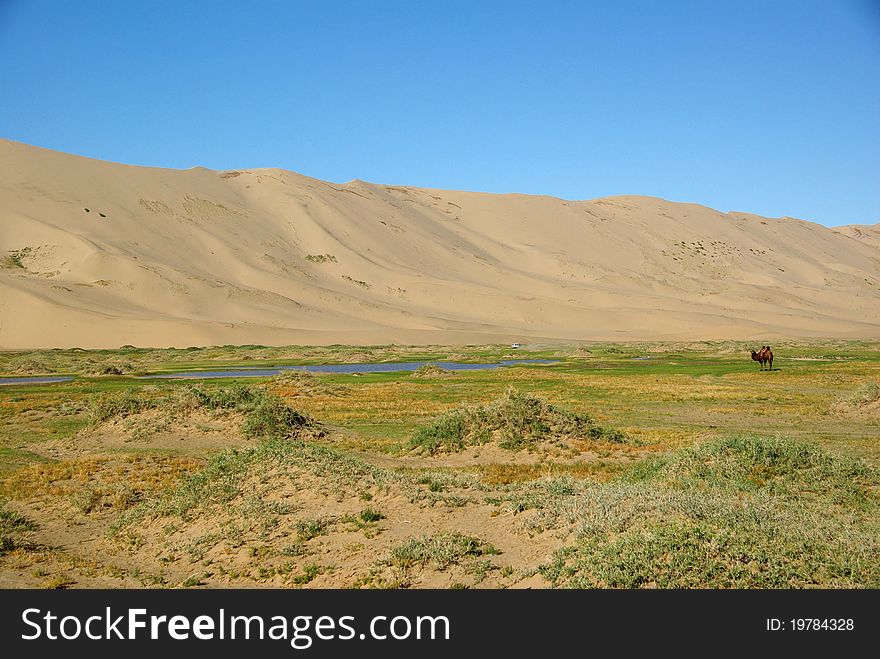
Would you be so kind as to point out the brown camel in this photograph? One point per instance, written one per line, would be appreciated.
(768, 357)
(764, 356)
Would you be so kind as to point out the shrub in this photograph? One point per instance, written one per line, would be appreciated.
(273, 418)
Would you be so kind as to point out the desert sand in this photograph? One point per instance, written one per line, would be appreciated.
(868, 233)
(100, 255)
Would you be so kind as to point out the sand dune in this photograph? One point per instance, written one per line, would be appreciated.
(97, 254)
(867, 233)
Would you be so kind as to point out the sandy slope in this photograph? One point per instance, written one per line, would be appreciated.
(177, 258)
(867, 233)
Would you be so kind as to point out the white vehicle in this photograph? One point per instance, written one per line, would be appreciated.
(516, 345)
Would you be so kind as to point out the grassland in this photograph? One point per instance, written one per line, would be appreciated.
(621, 465)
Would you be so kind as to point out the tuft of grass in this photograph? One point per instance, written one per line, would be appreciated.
(517, 420)
(86, 500)
(12, 525)
(273, 418)
(13, 258)
(298, 548)
(440, 551)
(306, 529)
(238, 397)
(310, 571)
(321, 258)
(192, 581)
(368, 515)
(59, 582)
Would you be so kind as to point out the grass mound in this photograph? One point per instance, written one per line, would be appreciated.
(239, 484)
(516, 420)
(264, 414)
(867, 394)
(732, 513)
(751, 464)
(430, 371)
(864, 400)
(302, 383)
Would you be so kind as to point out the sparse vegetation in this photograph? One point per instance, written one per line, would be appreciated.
(357, 282)
(723, 479)
(310, 571)
(321, 258)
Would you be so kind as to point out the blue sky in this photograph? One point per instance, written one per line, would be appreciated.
(761, 106)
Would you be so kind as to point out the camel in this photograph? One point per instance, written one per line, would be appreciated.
(768, 357)
(765, 356)
(757, 356)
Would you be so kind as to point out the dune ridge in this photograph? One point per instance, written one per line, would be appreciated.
(99, 255)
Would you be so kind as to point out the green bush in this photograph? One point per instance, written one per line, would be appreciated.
(273, 418)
